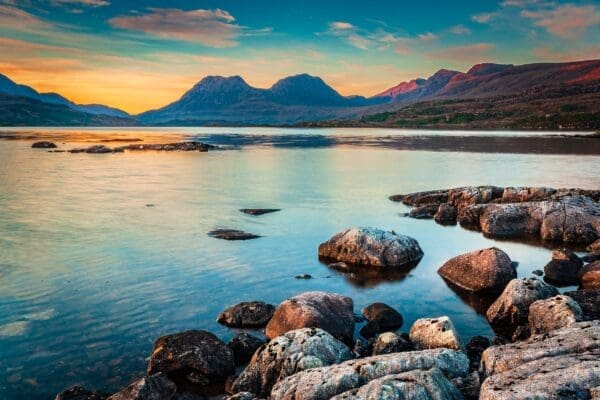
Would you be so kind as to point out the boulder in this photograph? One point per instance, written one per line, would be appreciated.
(372, 247)
(326, 382)
(243, 346)
(195, 358)
(391, 342)
(385, 316)
(154, 387)
(416, 385)
(331, 312)
(589, 301)
(511, 308)
(487, 270)
(432, 333)
(232, 234)
(470, 195)
(594, 246)
(80, 393)
(475, 349)
(426, 211)
(47, 145)
(289, 354)
(179, 146)
(361, 349)
(553, 313)
(563, 268)
(259, 211)
(590, 276)
(446, 214)
(250, 314)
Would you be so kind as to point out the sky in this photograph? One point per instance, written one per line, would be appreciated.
(142, 54)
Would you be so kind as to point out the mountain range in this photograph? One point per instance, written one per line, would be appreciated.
(298, 99)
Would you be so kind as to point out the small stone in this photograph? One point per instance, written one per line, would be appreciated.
(590, 276)
(564, 267)
(80, 393)
(232, 234)
(387, 318)
(591, 257)
(446, 214)
(537, 272)
(303, 276)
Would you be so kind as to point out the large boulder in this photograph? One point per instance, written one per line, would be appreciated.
(326, 382)
(589, 301)
(288, 354)
(590, 276)
(331, 312)
(563, 268)
(414, 385)
(486, 270)
(80, 393)
(154, 387)
(384, 316)
(371, 247)
(432, 333)
(553, 313)
(511, 308)
(243, 346)
(250, 314)
(195, 358)
(391, 342)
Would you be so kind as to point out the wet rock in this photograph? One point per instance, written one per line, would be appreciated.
(564, 267)
(154, 387)
(326, 382)
(370, 330)
(179, 146)
(385, 316)
(361, 349)
(391, 342)
(470, 216)
(432, 333)
(249, 314)
(329, 311)
(80, 393)
(98, 149)
(589, 301)
(303, 276)
(426, 211)
(475, 349)
(372, 247)
(446, 214)
(231, 234)
(590, 276)
(289, 354)
(416, 385)
(243, 346)
(591, 257)
(537, 272)
(524, 194)
(195, 358)
(487, 270)
(259, 211)
(594, 246)
(511, 308)
(44, 145)
(427, 197)
(554, 313)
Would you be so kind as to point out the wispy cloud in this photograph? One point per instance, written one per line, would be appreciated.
(88, 3)
(427, 37)
(484, 18)
(469, 53)
(459, 30)
(567, 21)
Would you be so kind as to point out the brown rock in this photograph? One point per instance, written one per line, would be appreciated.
(553, 313)
(391, 342)
(250, 314)
(594, 246)
(446, 214)
(155, 387)
(590, 276)
(564, 267)
(231, 234)
(432, 333)
(523, 194)
(48, 145)
(426, 211)
(243, 346)
(385, 316)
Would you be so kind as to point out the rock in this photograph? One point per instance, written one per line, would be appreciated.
(415, 385)
(391, 342)
(179, 146)
(469, 386)
(47, 145)
(259, 211)
(564, 267)
(361, 349)
(372, 247)
(511, 309)
(154, 387)
(591, 257)
(370, 329)
(242, 396)
(427, 197)
(470, 216)
(329, 311)
(80, 393)
(193, 358)
(340, 266)
(250, 314)
(487, 270)
(432, 333)
(537, 272)
(470, 195)
(243, 346)
(594, 246)
(553, 313)
(189, 396)
(589, 301)
(475, 349)
(590, 276)
(524, 194)
(288, 354)
(232, 234)
(326, 382)
(303, 276)
(98, 149)
(446, 214)
(426, 211)
(386, 317)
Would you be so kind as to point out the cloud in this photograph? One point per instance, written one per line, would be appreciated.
(585, 53)
(213, 28)
(484, 18)
(470, 53)
(567, 21)
(377, 39)
(88, 3)
(427, 37)
(13, 17)
(341, 26)
(459, 30)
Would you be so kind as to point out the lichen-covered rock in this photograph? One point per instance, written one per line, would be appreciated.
(154, 387)
(432, 333)
(331, 312)
(426, 211)
(391, 342)
(324, 383)
(370, 247)
(446, 214)
(288, 354)
(589, 301)
(243, 346)
(590, 276)
(553, 313)
(249, 314)
(195, 358)
(80, 393)
(511, 308)
(563, 268)
(486, 270)
(413, 385)
(385, 316)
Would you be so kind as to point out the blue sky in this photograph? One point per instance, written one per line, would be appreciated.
(142, 54)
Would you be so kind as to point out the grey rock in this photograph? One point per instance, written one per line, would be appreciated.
(432, 333)
(391, 342)
(154, 387)
(361, 349)
(386, 317)
(553, 313)
(259, 211)
(242, 396)
(250, 314)
(475, 349)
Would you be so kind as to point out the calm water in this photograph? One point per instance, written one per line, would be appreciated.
(90, 275)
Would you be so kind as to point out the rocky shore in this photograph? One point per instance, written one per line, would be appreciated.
(315, 346)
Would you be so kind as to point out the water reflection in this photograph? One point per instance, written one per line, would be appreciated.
(364, 277)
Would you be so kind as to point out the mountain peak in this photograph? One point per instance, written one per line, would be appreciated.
(487, 68)
(305, 89)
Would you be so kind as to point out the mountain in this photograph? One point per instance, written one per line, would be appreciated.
(9, 87)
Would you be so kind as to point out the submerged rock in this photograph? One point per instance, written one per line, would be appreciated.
(289, 354)
(243, 346)
(385, 316)
(432, 333)
(329, 311)
(80, 393)
(487, 270)
(231, 234)
(420, 198)
(154, 387)
(45, 145)
(589, 301)
(371, 247)
(259, 211)
(553, 313)
(564, 267)
(590, 276)
(179, 146)
(249, 314)
(391, 342)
